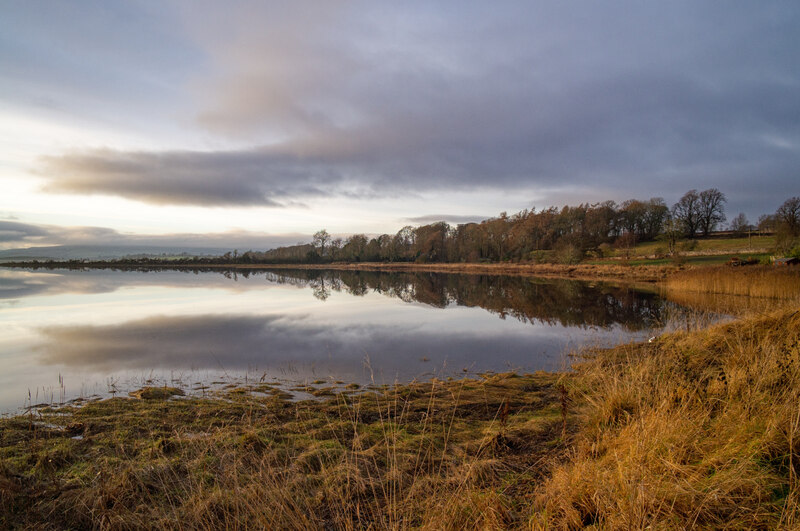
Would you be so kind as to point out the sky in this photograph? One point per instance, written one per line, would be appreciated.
(256, 124)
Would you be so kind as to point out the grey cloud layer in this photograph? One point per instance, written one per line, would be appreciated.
(17, 234)
(367, 100)
(13, 231)
(450, 218)
(197, 178)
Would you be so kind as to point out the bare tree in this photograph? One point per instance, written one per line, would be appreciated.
(655, 216)
(321, 239)
(766, 223)
(711, 210)
(740, 224)
(788, 216)
(686, 212)
(672, 233)
(334, 248)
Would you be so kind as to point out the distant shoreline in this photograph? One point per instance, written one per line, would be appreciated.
(650, 274)
(751, 281)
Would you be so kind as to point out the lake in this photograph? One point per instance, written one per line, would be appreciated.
(83, 333)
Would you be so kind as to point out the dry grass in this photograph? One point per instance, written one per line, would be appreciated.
(697, 430)
(749, 281)
(435, 455)
(720, 303)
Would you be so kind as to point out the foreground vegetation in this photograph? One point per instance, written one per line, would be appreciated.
(436, 454)
(696, 429)
(699, 428)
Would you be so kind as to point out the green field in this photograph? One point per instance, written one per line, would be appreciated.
(714, 259)
(719, 250)
(709, 244)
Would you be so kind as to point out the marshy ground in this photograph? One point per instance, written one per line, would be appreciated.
(436, 453)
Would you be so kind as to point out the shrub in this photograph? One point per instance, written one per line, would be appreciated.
(568, 254)
(541, 257)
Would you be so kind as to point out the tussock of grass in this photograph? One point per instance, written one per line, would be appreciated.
(155, 393)
(434, 455)
(752, 281)
(692, 430)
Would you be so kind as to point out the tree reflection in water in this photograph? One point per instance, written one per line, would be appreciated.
(564, 302)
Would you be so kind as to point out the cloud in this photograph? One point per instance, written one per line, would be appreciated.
(245, 178)
(450, 218)
(364, 100)
(18, 234)
(12, 231)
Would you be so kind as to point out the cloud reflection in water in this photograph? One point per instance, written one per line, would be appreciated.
(241, 342)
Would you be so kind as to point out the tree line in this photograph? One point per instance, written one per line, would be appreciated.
(564, 235)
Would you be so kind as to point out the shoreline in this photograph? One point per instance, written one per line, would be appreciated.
(759, 281)
(587, 272)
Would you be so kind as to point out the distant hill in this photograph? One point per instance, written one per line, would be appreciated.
(103, 252)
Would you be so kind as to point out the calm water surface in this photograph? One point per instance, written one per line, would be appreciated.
(67, 333)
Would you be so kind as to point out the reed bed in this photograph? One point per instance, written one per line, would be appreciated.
(750, 281)
(723, 304)
(692, 430)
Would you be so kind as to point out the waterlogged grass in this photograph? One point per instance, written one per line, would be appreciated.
(436, 454)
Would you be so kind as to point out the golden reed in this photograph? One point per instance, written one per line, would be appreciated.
(752, 281)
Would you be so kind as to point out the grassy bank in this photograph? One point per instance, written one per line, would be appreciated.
(691, 430)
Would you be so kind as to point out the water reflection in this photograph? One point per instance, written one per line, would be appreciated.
(241, 342)
(564, 302)
(17, 284)
(88, 326)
